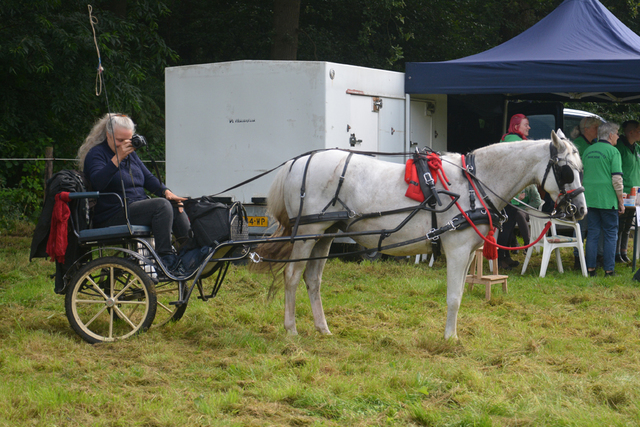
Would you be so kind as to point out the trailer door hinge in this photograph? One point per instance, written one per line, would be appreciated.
(377, 104)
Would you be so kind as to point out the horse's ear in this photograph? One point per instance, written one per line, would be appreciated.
(560, 134)
(556, 140)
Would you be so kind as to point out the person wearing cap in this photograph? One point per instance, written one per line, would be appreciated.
(630, 156)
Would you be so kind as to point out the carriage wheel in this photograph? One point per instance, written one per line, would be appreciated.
(168, 292)
(110, 299)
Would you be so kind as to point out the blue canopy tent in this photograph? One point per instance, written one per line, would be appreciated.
(580, 51)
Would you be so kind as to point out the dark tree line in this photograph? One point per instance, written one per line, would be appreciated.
(48, 58)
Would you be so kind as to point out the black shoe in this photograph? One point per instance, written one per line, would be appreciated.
(504, 265)
(619, 259)
(511, 262)
(169, 261)
(592, 273)
(610, 274)
(625, 258)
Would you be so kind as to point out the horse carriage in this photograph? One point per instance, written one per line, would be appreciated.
(120, 287)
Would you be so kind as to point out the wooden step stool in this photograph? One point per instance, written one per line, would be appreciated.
(475, 275)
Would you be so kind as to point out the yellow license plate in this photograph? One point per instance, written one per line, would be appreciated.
(258, 221)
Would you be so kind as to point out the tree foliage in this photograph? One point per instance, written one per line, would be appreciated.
(48, 59)
(48, 64)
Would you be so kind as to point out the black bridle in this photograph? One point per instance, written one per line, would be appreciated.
(564, 176)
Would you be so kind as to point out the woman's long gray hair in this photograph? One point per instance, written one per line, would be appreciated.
(99, 133)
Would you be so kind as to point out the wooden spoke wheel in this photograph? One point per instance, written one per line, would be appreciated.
(110, 299)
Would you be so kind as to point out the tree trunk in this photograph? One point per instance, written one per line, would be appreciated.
(286, 14)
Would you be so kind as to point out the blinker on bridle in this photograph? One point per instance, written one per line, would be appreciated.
(563, 176)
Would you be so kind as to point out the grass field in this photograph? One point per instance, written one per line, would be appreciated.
(559, 351)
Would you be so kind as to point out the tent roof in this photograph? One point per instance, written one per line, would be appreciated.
(580, 51)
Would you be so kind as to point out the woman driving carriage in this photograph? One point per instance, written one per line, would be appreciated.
(110, 164)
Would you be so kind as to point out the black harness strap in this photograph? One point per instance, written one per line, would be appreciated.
(344, 215)
(471, 167)
(303, 191)
(470, 160)
(335, 197)
(459, 222)
(425, 179)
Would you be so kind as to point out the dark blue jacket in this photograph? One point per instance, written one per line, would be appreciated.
(104, 177)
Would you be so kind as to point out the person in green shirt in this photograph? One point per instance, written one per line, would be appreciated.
(582, 136)
(630, 156)
(585, 133)
(603, 193)
(518, 131)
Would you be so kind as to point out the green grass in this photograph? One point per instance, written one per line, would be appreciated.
(557, 351)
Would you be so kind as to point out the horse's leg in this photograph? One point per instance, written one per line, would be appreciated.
(458, 247)
(292, 274)
(313, 279)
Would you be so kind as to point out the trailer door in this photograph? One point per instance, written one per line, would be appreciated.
(391, 129)
(377, 124)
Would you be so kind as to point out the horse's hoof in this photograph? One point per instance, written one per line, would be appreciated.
(292, 333)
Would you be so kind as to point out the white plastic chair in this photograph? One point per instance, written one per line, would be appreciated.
(552, 242)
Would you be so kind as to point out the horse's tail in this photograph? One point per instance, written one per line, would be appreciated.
(277, 209)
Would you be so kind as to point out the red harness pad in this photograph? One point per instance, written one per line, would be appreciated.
(411, 177)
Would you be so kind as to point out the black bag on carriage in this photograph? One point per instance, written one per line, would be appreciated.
(213, 222)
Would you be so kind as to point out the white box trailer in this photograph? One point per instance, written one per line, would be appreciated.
(227, 122)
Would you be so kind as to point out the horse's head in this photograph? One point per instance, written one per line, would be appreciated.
(562, 178)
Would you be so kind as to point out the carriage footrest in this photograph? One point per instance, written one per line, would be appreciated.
(113, 232)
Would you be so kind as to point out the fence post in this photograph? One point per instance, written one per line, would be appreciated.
(48, 167)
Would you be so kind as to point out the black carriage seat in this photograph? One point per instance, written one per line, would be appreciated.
(114, 233)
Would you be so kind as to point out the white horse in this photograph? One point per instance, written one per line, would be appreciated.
(372, 185)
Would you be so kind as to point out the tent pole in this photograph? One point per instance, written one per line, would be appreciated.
(504, 116)
(407, 124)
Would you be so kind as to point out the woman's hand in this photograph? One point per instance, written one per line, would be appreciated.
(122, 146)
(173, 198)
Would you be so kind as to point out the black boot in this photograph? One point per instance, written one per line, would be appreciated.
(511, 262)
(504, 260)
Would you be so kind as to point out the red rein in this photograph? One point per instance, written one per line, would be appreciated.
(490, 250)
